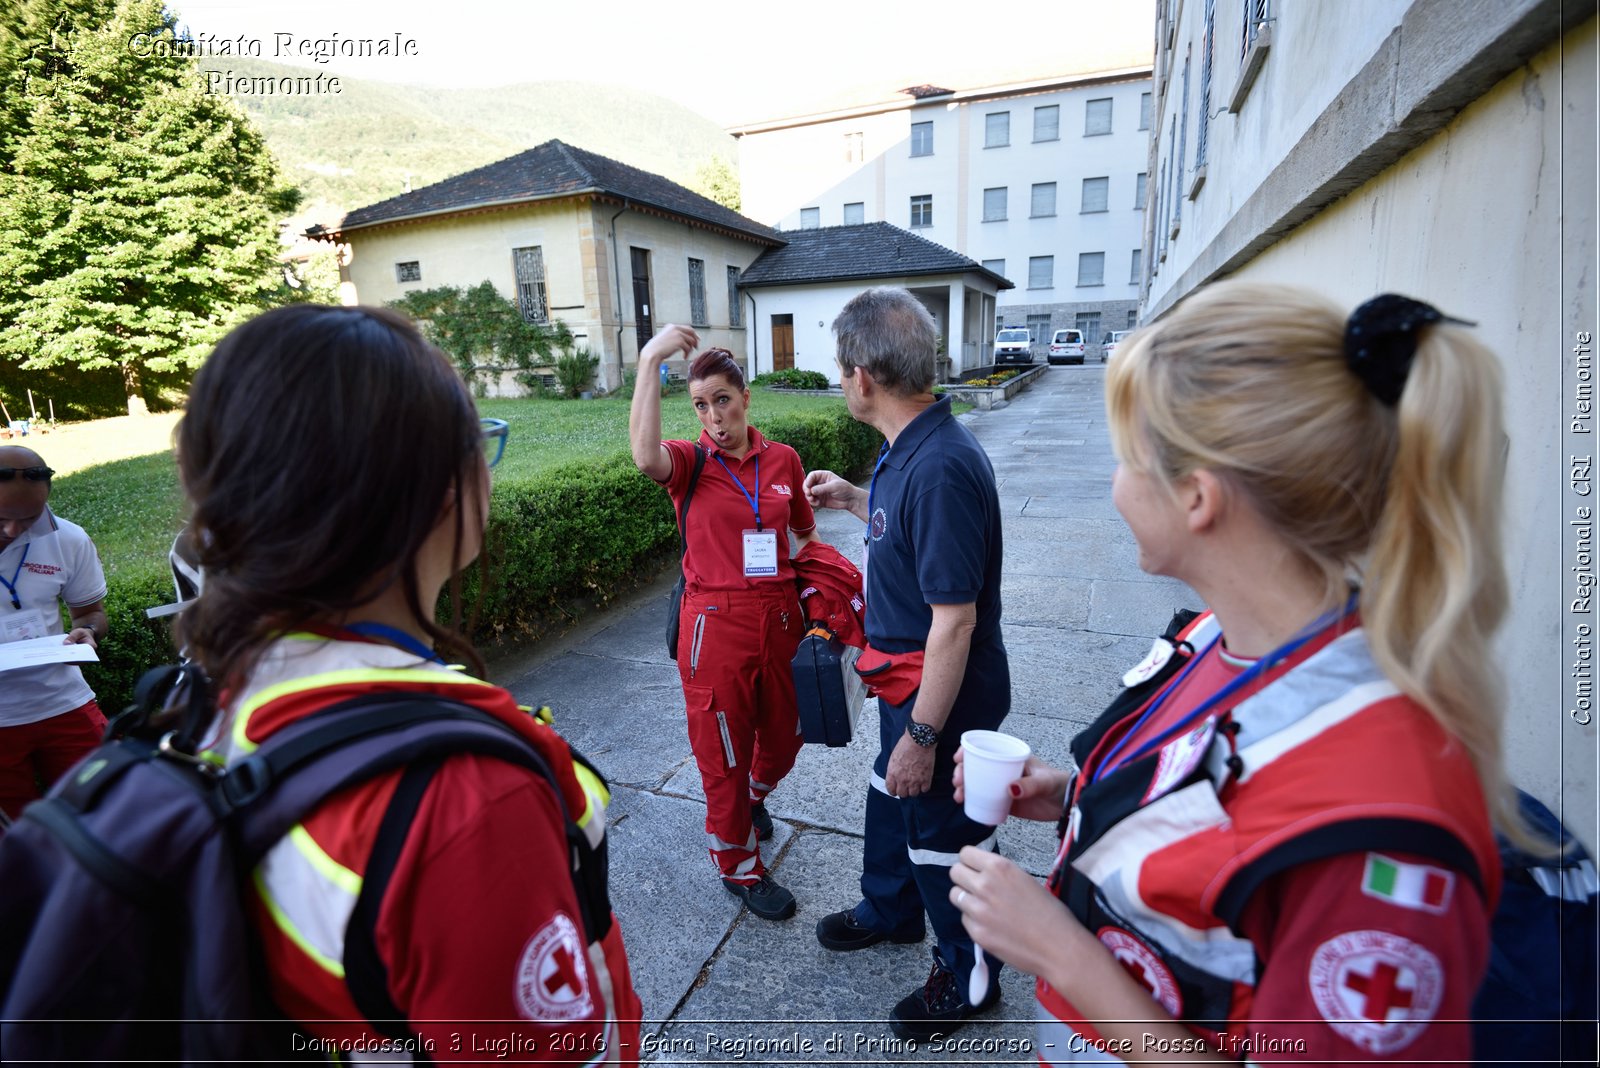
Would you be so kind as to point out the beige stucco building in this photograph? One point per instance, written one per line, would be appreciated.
(612, 251)
(1444, 150)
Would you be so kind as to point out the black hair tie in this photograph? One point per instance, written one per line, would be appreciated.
(1380, 341)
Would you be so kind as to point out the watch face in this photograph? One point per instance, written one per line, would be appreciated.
(922, 734)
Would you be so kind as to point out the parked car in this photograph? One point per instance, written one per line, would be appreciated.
(1013, 345)
(1066, 347)
(1109, 345)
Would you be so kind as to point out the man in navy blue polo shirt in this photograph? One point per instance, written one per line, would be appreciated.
(933, 623)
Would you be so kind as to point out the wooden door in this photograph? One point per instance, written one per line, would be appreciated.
(782, 342)
(641, 294)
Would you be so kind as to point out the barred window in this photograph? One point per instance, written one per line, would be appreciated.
(532, 299)
(697, 293)
(409, 271)
(997, 266)
(855, 213)
(1144, 111)
(1096, 194)
(922, 139)
(1133, 275)
(735, 306)
(810, 218)
(1141, 185)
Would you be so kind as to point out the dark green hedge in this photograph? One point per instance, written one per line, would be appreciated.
(560, 542)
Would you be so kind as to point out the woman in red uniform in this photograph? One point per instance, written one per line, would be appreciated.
(326, 531)
(740, 622)
(1278, 843)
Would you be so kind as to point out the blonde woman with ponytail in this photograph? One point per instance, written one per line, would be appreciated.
(1279, 839)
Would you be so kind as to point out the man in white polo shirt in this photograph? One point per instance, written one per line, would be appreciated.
(48, 715)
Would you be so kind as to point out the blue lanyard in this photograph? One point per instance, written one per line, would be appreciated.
(872, 490)
(394, 636)
(755, 502)
(1107, 765)
(16, 602)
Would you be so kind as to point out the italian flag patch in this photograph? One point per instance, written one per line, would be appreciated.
(1411, 886)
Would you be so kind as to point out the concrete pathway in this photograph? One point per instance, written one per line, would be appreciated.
(719, 985)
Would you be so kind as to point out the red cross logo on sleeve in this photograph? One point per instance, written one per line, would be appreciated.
(1376, 989)
(561, 974)
(1379, 990)
(552, 978)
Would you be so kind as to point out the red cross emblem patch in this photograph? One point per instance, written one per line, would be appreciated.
(1143, 964)
(553, 975)
(1376, 989)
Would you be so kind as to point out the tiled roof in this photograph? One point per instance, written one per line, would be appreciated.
(554, 169)
(864, 250)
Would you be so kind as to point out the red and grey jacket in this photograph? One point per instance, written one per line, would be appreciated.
(1160, 857)
(829, 586)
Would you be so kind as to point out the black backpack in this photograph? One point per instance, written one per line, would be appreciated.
(123, 931)
(1538, 1001)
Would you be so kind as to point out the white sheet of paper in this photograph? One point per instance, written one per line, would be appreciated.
(50, 649)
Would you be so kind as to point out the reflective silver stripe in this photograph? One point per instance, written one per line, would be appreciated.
(727, 739)
(1059, 1043)
(694, 646)
(950, 860)
(719, 845)
(763, 787)
(603, 986)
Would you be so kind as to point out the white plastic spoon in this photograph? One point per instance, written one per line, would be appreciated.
(978, 980)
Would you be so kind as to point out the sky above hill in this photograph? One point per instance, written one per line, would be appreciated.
(733, 63)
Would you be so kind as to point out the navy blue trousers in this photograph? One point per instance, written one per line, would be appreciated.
(913, 842)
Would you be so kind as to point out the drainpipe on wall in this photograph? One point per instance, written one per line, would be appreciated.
(616, 268)
(754, 335)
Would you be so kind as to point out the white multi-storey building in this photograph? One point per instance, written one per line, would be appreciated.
(1042, 182)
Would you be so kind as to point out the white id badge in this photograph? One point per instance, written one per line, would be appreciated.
(19, 626)
(760, 553)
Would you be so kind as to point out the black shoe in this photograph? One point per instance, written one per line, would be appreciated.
(764, 898)
(761, 821)
(936, 1008)
(840, 931)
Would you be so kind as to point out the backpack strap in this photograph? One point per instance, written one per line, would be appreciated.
(688, 496)
(355, 740)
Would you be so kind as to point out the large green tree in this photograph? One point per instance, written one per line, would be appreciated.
(138, 213)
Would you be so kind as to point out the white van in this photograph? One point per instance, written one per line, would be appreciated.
(1109, 345)
(1066, 346)
(1013, 344)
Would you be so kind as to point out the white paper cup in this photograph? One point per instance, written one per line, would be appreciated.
(992, 762)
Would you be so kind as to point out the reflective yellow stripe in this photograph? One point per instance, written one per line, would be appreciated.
(592, 821)
(241, 721)
(326, 866)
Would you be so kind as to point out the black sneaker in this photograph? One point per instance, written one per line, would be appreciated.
(936, 1008)
(761, 821)
(764, 898)
(840, 931)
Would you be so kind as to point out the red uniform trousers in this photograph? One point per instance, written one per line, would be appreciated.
(35, 754)
(734, 653)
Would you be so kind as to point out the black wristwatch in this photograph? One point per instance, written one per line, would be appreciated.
(922, 734)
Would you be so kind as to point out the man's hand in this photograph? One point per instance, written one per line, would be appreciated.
(910, 768)
(824, 489)
(81, 636)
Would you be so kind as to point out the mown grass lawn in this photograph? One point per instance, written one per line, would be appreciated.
(132, 508)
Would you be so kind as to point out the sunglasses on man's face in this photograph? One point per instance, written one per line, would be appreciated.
(29, 474)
